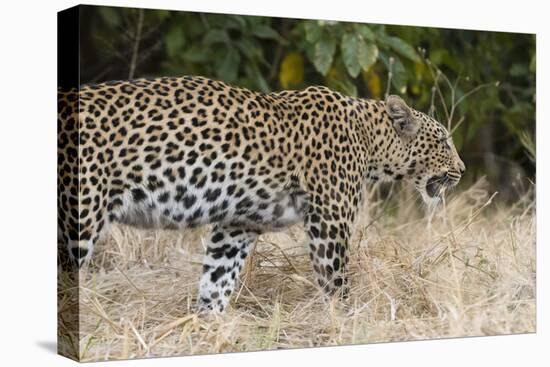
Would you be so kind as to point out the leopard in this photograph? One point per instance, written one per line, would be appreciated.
(174, 153)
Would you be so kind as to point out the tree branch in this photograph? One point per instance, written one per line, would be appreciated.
(135, 49)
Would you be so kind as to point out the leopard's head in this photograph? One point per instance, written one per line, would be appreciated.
(431, 161)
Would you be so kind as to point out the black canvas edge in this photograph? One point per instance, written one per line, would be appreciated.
(68, 77)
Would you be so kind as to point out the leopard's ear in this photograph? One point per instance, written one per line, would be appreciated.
(404, 121)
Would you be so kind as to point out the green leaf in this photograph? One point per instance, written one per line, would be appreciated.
(174, 41)
(262, 83)
(518, 70)
(257, 78)
(313, 31)
(399, 76)
(382, 39)
(324, 53)
(367, 54)
(309, 48)
(366, 32)
(256, 20)
(340, 82)
(215, 36)
(402, 48)
(265, 32)
(349, 47)
(235, 22)
(194, 25)
(196, 53)
(228, 65)
(251, 49)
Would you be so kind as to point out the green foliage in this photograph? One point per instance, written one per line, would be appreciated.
(350, 53)
(323, 55)
(359, 50)
(269, 54)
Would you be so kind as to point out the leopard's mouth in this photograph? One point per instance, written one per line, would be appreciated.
(435, 187)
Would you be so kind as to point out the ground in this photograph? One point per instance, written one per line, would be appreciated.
(468, 270)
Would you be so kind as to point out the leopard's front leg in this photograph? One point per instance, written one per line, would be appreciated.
(329, 234)
(225, 255)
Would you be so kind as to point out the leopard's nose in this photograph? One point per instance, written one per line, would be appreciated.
(461, 167)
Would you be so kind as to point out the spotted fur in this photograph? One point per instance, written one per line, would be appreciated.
(175, 153)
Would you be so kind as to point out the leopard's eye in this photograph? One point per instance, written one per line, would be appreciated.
(445, 140)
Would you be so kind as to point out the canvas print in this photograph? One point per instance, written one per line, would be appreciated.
(231, 183)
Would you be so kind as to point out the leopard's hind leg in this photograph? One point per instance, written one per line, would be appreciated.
(227, 250)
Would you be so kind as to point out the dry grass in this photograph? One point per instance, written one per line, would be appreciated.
(468, 271)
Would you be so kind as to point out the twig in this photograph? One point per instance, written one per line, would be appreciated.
(391, 61)
(165, 329)
(382, 211)
(473, 90)
(284, 255)
(135, 50)
(453, 104)
(138, 337)
(431, 112)
(462, 227)
(278, 53)
(460, 121)
(467, 264)
(131, 283)
(436, 89)
(436, 75)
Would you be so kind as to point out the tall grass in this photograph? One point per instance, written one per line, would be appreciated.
(467, 269)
